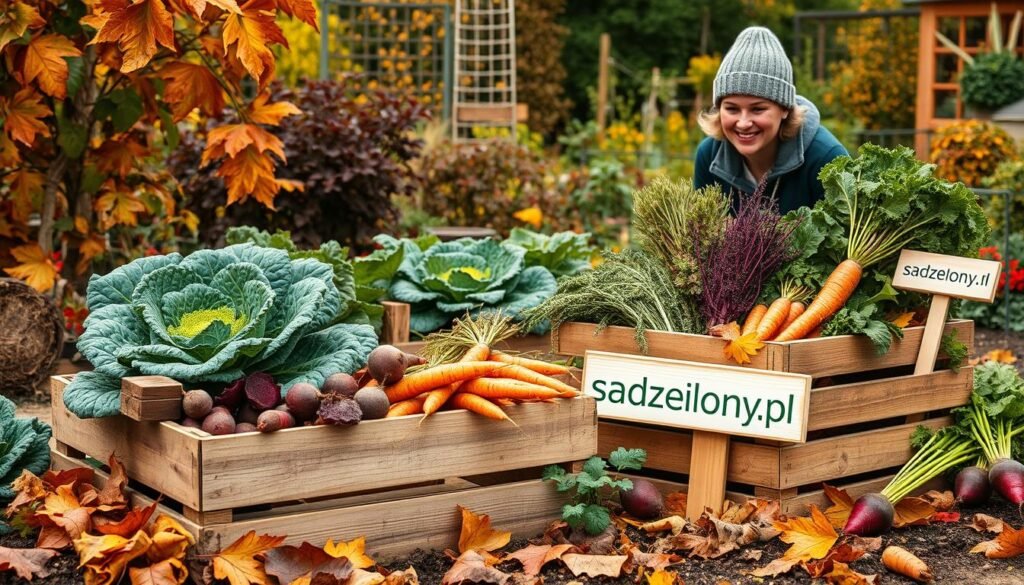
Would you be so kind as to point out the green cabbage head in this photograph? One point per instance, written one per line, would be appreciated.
(212, 317)
(450, 279)
(24, 444)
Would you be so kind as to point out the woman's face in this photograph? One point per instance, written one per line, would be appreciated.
(751, 123)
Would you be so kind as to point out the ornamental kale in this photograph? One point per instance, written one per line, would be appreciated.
(24, 445)
(449, 279)
(214, 316)
(586, 509)
(563, 254)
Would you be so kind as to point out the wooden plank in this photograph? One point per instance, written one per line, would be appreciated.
(395, 328)
(151, 387)
(381, 453)
(398, 527)
(837, 457)
(828, 356)
(837, 406)
(576, 338)
(156, 454)
(489, 113)
(669, 450)
(151, 410)
(60, 462)
(709, 458)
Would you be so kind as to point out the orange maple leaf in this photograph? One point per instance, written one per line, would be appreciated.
(304, 10)
(9, 155)
(191, 86)
(742, 348)
(250, 174)
(478, 535)
(64, 509)
(131, 523)
(231, 139)
(250, 34)
(122, 207)
(261, 112)
(28, 488)
(34, 267)
(18, 18)
(91, 247)
(118, 157)
(238, 564)
(842, 503)
(903, 319)
(106, 557)
(911, 512)
(165, 572)
(138, 29)
(1007, 544)
(45, 64)
(198, 7)
(23, 116)
(662, 577)
(354, 551)
(170, 540)
(811, 537)
(534, 556)
(26, 185)
(26, 563)
(594, 565)
(471, 567)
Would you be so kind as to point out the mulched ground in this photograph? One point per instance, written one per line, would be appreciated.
(944, 547)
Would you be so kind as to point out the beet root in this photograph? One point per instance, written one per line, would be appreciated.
(274, 420)
(197, 404)
(340, 383)
(261, 391)
(373, 402)
(1007, 478)
(872, 514)
(972, 487)
(219, 422)
(643, 500)
(303, 400)
(387, 364)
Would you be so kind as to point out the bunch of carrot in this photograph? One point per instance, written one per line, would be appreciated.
(765, 322)
(467, 373)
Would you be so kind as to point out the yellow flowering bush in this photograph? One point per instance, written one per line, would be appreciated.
(702, 71)
(970, 150)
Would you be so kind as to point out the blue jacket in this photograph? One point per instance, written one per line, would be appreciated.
(793, 179)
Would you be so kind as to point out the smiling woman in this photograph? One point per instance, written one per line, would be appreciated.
(758, 127)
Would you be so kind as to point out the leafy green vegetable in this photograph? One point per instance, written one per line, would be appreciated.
(24, 445)
(586, 509)
(213, 317)
(955, 349)
(450, 279)
(563, 254)
(632, 289)
(996, 412)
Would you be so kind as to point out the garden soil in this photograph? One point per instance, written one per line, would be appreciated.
(943, 546)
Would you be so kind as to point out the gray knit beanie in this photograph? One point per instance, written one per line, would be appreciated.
(756, 65)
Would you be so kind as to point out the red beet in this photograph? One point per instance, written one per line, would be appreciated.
(191, 423)
(303, 400)
(219, 423)
(197, 404)
(244, 427)
(341, 383)
(643, 500)
(871, 515)
(274, 420)
(387, 364)
(232, 396)
(1007, 477)
(972, 487)
(261, 391)
(246, 413)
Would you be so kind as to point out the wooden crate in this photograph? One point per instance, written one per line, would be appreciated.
(393, 481)
(862, 410)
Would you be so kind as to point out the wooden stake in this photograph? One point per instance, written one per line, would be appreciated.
(395, 323)
(604, 56)
(709, 461)
(931, 341)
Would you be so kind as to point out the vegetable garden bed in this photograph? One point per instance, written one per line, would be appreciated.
(390, 480)
(863, 409)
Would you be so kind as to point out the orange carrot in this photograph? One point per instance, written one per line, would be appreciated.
(503, 388)
(795, 310)
(903, 562)
(773, 318)
(514, 372)
(437, 398)
(832, 296)
(753, 318)
(539, 366)
(479, 405)
(436, 377)
(406, 407)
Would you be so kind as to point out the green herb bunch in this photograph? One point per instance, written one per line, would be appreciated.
(588, 487)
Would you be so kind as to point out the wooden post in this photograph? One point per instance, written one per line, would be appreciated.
(604, 56)
(709, 461)
(396, 323)
(652, 110)
(932, 338)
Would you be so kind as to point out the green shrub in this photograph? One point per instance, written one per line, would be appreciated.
(995, 80)
(1008, 175)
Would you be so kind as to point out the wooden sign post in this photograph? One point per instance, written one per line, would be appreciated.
(944, 277)
(715, 401)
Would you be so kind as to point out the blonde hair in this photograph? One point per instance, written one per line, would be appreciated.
(710, 122)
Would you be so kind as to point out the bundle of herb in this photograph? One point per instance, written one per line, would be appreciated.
(632, 289)
(734, 267)
(664, 212)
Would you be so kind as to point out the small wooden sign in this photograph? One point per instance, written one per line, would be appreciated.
(953, 276)
(720, 399)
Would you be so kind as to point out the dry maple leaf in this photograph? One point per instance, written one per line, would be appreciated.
(1007, 544)
(986, 523)
(131, 523)
(33, 266)
(261, 112)
(674, 523)
(662, 577)
(742, 348)
(675, 504)
(73, 476)
(45, 64)
(471, 567)
(406, 577)
(354, 551)
(19, 17)
(122, 207)
(24, 114)
(165, 572)
(652, 561)
(28, 488)
(299, 565)
(1003, 356)
(842, 503)
(534, 557)
(170, 539)
(775, 568)
(811, 538)
(64, 509)
(248, 36)
(190, 86)
(903, 319)
(238, 564)
(105, 558)
(139, 29)
(361, 577)
(594, 565)
(941, 501)
(842, 574)
(912, 512)
(26, 562)
(477, 534)
(304, 10)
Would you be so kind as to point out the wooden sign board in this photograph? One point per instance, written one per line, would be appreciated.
(953, 276)
(705, 397)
